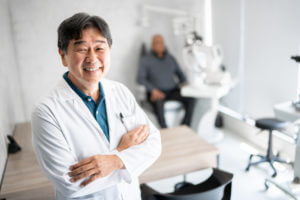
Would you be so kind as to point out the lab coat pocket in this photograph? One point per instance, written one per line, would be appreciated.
(130, 121)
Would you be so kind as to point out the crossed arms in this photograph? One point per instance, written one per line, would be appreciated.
(131, 157)
(99, 165)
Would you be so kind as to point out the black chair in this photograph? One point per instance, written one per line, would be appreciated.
(269, 124)
(216, 187)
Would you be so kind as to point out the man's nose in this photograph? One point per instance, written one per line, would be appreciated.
(91, 56)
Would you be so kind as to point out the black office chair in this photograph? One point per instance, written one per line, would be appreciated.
(216, 187)
(269, 124)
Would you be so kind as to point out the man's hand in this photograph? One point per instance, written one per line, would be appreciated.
(156, 94)
(134, 137)
(102, 165)
(183, 84)
(95, 167)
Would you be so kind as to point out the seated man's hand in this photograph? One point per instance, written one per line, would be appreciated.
(156, 94)
(134, 137)
(183, 84)
(95, 167)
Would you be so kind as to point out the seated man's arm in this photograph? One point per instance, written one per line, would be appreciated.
(143, 75)
(156, 94)
(179, 72)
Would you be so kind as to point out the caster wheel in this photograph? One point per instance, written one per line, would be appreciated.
(266, 185)
(274, 175)
(247, 168)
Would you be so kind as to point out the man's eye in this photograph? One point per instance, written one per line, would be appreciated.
(99, 49)
(82, 50)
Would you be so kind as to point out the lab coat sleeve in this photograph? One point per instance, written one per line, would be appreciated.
(55, 157)
(52, 151)
(139, 157)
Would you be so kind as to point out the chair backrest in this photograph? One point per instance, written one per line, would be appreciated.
(216, 187)
(211, 195)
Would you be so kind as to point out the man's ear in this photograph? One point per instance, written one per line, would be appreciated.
(63, 57)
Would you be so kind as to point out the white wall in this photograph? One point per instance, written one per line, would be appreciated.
(226, 32)
(272, 35)
(35, 23)
(11, 106)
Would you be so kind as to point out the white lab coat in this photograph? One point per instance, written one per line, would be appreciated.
(65, 132)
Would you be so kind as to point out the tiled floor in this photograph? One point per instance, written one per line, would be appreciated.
(246, 185)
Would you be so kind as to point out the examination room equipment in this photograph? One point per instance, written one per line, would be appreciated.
(208, 82)
(290, 188)
(203, 62)
(290, 111)
(296, 102)
(297, 107)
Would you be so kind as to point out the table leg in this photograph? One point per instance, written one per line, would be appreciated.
(203, 121)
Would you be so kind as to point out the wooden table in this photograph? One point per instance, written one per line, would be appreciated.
(23, 178)
(183, 151)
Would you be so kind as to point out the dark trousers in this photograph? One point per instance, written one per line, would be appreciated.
(158, 106)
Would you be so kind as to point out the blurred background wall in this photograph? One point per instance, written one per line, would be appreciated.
(258, 38)
(11, 101)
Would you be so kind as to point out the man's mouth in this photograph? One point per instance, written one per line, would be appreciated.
(92, 69)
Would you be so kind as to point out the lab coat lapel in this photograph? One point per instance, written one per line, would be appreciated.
(83, 109)
(110, 112)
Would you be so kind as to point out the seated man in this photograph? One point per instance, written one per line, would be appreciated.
(157, 73)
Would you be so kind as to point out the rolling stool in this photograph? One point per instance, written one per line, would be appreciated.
(269, 124)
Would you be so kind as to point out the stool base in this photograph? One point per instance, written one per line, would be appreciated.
(270, 159)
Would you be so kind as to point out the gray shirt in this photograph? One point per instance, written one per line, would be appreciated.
(160, 73)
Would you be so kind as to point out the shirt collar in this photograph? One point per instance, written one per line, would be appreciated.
(156, 56)
(79, 92)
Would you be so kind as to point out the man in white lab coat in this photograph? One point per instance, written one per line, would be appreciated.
(92, 140)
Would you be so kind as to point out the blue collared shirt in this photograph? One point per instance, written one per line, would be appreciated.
(98, 109)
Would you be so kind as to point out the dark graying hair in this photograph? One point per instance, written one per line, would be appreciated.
(72, 27)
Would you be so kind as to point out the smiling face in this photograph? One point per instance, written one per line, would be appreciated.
(88, 59)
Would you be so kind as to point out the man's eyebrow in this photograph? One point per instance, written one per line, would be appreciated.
(101, 41)
(78, 42)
